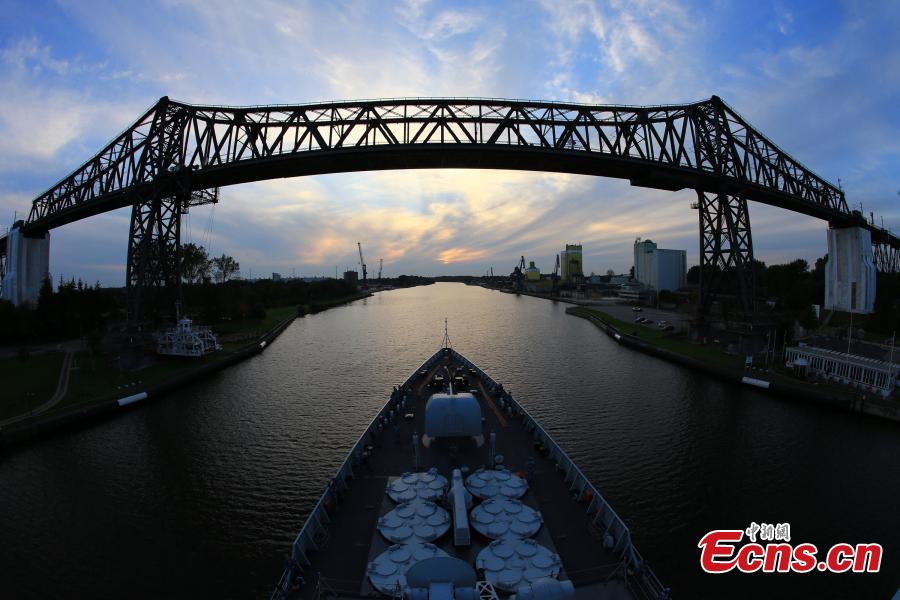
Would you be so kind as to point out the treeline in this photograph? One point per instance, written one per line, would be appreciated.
(75, 309)
(78, 310)
(239, 299)
(404, 281)
(794, 287)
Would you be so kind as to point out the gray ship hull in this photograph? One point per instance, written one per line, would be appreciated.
(336, 553)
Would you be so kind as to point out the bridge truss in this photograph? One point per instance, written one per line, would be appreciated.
(176, 150)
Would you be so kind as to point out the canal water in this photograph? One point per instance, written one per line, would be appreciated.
(201, 493)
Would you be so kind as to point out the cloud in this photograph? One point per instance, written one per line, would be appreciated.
(456, 255)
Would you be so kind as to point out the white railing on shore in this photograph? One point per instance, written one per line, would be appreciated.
(615, 535)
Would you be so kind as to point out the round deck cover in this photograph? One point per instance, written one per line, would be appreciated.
(487, 483)
(506, 518)
(418, 486)
(388, 571)
(415, 521)
(510, 563)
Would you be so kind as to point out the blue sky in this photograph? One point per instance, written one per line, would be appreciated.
(821, 79)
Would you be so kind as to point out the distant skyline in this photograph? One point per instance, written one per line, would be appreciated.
(822, 80)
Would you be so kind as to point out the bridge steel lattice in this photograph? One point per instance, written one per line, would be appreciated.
(175, 150)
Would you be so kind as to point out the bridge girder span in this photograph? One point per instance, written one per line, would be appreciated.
(176, 149)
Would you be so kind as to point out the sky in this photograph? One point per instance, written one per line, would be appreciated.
(820, 79)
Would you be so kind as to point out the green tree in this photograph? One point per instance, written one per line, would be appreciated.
(195, 264)
(225, 268)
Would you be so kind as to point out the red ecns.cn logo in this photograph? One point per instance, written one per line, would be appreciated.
(720, 553)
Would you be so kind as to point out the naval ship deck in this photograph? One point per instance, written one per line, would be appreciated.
(340, 539)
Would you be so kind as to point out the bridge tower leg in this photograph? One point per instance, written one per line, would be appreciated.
(726, 247)
(154, 249)
(154, 263)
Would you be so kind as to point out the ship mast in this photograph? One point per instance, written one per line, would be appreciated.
(446, 335)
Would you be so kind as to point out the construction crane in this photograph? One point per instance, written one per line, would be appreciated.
(519, 274)
(362, 262)
(556, 276)
(380, 264)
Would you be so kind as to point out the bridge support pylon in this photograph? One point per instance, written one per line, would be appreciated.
(850, 271)
(726, 249)
(24, 265)
(153, 275)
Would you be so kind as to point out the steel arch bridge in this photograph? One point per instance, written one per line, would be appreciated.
(177, 155)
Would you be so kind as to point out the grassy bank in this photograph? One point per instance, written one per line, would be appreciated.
(32, 381)
(320, 305)
(28, 382)
(98, 377)
(715, 361)
(665, 340)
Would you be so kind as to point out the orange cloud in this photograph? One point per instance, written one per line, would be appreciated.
(455, 255)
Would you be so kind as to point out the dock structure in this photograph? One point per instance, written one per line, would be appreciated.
(877, 376)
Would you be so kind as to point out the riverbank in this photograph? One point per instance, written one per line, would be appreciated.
(730, 368)
(89, 400)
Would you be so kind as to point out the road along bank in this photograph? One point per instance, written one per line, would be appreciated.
(777, 386)
(42, 424)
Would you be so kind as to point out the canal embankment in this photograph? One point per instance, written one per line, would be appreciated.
(105, 403)
(715, 363)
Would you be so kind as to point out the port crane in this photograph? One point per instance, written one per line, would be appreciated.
(362, 262)
(519, 274)
(556, 276)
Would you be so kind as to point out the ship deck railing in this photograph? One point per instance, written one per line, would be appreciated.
(314, 528)
(605, 520)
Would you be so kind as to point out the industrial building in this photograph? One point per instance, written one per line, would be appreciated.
(571, 265)
(657, 268)
(351, 276)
